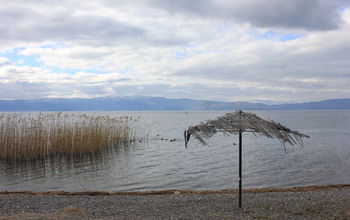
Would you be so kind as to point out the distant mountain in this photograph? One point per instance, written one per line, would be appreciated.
(143, 103)
(331, 104)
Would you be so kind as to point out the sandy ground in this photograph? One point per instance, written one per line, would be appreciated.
(312, 202)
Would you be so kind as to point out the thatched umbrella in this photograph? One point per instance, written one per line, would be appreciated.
(238, 122)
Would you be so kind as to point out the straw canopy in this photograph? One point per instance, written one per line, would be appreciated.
(239, 121)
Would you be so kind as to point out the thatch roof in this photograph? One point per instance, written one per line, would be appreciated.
(239, 121)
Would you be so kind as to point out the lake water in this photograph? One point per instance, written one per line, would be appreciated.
(160, 164)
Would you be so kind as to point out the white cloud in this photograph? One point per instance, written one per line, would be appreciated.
(5, 62)
(211, 49)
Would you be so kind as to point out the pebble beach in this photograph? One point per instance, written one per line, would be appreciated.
(313, 202)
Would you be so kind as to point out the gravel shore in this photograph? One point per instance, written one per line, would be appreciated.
(331, 202)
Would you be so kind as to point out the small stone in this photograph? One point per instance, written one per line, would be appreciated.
(177, 193)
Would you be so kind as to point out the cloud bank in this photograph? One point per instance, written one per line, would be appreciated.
(289, 51)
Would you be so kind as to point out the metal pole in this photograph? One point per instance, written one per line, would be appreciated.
(240, 170)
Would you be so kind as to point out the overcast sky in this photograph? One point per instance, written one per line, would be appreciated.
(241, 50)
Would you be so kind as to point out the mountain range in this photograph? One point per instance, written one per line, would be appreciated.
(145, 103)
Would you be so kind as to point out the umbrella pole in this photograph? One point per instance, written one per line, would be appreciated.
(240, 170)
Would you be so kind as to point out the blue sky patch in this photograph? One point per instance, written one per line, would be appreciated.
(72, 71)
(180, 55)
(288, 37)
(271, 34)
(34, 61)
(22, 60)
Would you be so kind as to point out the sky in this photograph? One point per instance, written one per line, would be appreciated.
(222, 50)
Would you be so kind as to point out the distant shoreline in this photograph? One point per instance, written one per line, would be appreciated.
(180, 191)
(146, 103)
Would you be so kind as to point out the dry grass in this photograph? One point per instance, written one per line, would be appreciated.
(57, 135)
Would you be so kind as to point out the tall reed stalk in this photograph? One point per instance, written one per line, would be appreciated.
(50, 136)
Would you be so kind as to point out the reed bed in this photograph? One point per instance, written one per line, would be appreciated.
(47, 136)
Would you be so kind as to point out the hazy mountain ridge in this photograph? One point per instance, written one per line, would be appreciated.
(143, 103)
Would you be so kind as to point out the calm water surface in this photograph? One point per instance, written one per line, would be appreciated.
(163, 164)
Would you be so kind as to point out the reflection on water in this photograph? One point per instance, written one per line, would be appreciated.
(58, 166)
(163, 162)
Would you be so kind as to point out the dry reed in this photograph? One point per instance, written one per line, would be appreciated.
(56, 135)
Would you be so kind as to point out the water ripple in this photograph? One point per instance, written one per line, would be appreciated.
(163, 164)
